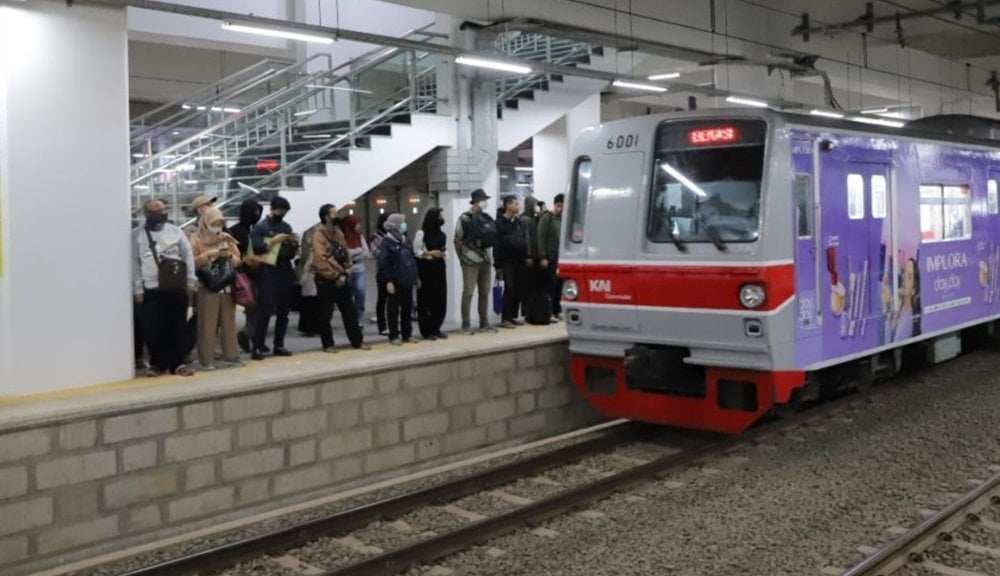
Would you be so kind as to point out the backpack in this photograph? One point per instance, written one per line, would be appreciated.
(479, 230)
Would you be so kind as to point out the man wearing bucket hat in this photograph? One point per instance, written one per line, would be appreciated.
(475, 236)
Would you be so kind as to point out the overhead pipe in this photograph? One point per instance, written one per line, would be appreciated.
(868, 20)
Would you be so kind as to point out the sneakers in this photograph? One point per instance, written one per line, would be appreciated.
(508, 325)
(431, 337)
(489, 329)
(154, 372)
(207, 368)
(282, 352)
(257, 354)
(396, 342)
(441, 336)
(468, 331)
(412, 340)
(518, 322)
(364, 347)
(330, 350)
(244, 339)
(183, 370)
(233, 363)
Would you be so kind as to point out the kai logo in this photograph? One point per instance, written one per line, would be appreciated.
(600, 286)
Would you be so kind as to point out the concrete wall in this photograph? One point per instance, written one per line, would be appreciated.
(65, 198)
(97, 483)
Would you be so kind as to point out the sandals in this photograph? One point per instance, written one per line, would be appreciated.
(183, 370)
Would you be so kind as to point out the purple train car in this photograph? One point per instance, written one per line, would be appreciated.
(721, 264)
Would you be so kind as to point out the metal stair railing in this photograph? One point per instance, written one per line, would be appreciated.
(203, 162)
(216, 95)
(540, 47)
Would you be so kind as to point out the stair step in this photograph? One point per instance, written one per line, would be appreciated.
(597, 50)
(556, 78)
(515, 104)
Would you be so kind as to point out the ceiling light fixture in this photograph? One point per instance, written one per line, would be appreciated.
(827, 114)
(747, 102)
(305, 113)
(317, 136)
(277, 33)
(523, 169)
(878, 121)
(638, 86)
(875, 111)
(667, 76)
(492, 65)
(342, 88)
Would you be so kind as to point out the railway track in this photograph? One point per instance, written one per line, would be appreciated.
(943, 543)
(390, 536)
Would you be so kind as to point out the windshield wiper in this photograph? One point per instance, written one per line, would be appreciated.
(670, 229)
(713, 233)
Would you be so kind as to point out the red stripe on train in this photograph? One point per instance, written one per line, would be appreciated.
(709, 287)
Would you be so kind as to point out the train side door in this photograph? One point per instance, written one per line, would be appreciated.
(804, 196)
(857, 255)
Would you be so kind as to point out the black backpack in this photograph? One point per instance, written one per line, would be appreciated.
(479, 230)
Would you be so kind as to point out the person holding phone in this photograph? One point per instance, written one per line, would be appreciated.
(276, 246)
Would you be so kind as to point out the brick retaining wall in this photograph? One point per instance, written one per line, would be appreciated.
(69, 490)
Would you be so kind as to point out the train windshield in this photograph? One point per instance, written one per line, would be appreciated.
(707, 182)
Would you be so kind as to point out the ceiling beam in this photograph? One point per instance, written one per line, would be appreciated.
(869, 20)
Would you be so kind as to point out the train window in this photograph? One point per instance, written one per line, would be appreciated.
(578, 198)
(879, 196)
(945, 213)
(855, 196)
(992, 201)
(707, 192)
(804, 204)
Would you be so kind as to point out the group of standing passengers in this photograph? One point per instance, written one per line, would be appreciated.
(253, 264)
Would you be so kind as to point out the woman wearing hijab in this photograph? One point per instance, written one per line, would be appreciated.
(376, 245)
(358, 250)
(331, 265)
(430, 248)
(398, 266)
(216, 310)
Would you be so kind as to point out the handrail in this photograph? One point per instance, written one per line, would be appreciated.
(210, 93)
(246, 113)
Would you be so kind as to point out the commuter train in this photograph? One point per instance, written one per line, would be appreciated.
(723, 265)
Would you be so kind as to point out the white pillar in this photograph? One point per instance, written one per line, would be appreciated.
(65, 295)
(552, 148)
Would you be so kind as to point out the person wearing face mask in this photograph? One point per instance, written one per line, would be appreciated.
(398, 266)
(475, 236)
(376, 246)
(198, 207)
(275, 245)
(216, 310)
(430, 248)
(250, 214)
(163, 276)
(357, 247)
(331, 265)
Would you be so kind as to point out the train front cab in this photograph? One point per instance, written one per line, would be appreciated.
(678, 284)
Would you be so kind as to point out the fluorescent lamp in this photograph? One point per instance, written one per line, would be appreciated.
(139, 156)
(141, 187)
(522, 185)
(316, 136)
(342, 88)
(524, 169)
(877, 121)
(492, 65)
(277, 33)
(827, 114)
(190, 182)
(226, 110)
(223, 163)
(186, 106)
(875, 111)
(206, 158)
(667, 76)
(684, 180)
(638, 86)
(305, 113)
(747, 102)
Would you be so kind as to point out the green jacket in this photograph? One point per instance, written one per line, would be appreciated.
(530, 223)
(549, 233)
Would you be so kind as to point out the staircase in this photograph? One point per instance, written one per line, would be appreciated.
(527, 104)
(320, 134)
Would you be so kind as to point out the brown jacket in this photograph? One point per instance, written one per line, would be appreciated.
(201, 251)
(322, 264)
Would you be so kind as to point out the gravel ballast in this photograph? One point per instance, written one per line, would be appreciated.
(791, 505)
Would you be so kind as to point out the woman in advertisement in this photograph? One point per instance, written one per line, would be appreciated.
(904, 321)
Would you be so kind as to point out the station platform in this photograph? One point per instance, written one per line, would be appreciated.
(87, 471)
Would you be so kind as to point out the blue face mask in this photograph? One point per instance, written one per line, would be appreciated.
(403, 228)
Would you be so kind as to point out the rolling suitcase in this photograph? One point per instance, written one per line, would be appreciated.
(539, 310)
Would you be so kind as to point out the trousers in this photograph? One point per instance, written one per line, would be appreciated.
(216, 320)
(274, 298)
(432, 297)
(399, 312)
(164, 328)
(328, 296)
(476, 277)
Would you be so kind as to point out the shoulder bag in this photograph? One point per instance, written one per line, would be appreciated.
(171, 273)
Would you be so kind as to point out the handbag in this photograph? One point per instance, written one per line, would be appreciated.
(243, 291)
(171, 273)
(218, 275)
(498, 297)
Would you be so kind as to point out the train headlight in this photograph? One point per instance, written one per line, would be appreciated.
(570, 290)
(751, 296)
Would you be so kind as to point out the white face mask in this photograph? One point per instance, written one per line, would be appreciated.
(215, 229)
(484, 204)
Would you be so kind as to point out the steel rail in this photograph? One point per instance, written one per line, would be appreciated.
(283, 539)
(437, 547)
(899, 552)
